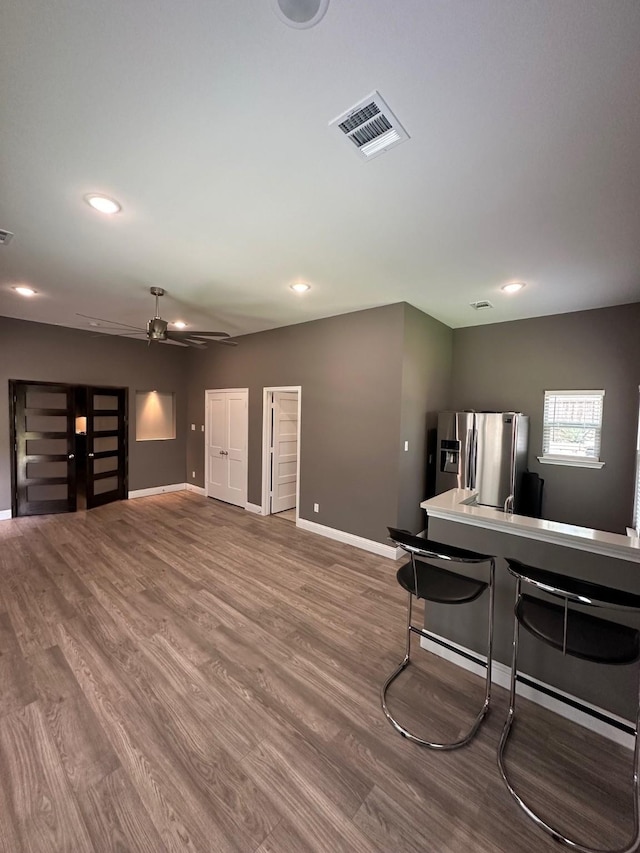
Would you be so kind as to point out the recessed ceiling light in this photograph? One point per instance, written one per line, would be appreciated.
(103, 203)
(179, 324)
(300, 287)
(23, 290)
(513, 286)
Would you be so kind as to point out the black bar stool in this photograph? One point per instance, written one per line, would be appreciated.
(423, 580)
(578, 634)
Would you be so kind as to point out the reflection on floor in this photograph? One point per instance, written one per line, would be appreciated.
(288, 515)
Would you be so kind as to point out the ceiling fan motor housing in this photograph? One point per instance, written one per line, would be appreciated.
(157, 329)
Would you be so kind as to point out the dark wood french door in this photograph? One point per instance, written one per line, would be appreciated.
(44, 448)
(106, 479)
(69, 447)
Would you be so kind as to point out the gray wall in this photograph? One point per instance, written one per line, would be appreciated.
(350, 370)
(509, 366)
(426, 389)
(38, 352)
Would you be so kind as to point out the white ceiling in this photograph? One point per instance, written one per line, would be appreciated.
(208, 121)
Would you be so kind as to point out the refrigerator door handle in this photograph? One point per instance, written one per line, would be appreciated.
(472, 442)
(475, 459)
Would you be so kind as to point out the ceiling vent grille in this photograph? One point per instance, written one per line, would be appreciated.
(481, 305)
(5, 237)
(371, 126)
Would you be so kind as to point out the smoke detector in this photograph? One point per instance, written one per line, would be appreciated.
(5, 237)
(370, 126)
(481, 305)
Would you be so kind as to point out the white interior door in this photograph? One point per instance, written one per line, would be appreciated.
(285, 450)
(226, 445)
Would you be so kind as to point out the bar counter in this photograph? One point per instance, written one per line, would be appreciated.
(459, 505)
(594, 555)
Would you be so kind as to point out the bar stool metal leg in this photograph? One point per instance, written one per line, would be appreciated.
(540, 822)
(412, 629)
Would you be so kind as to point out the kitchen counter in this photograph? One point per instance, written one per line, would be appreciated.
(458, 505)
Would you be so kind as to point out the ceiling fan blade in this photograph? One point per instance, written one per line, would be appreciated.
(173, 343)
(191, 342)
(198, 341)
(194, 334)
(114, 333)
(113, 322)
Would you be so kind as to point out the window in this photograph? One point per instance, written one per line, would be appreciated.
(572, 428)
(155, 415)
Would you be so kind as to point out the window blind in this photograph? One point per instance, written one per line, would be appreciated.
(572, 425)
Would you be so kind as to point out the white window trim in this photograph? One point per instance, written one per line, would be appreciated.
(571, 461)
(636, 488)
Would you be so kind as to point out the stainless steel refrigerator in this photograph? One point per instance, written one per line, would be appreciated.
(484, 451)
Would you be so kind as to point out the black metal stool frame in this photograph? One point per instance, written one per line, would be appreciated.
(436, 551)
(581, 594)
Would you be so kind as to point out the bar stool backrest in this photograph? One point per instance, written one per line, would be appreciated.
(429, 549)
(574, 589)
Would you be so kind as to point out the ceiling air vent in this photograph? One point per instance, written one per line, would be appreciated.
(371, 126)
(481, 305)
(5, 237)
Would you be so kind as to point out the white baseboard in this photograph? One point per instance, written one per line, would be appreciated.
(5, 514)
(253, 508)
(197, 489)
(350, 539)
(501, 675)
(157, 490)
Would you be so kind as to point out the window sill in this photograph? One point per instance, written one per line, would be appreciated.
(570, 463)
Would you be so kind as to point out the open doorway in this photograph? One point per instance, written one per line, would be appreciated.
(281, 452)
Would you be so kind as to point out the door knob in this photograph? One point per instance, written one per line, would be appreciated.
(71, 456)
(91, 456)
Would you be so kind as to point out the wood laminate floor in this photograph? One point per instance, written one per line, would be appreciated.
(180, 676)
(286, 515)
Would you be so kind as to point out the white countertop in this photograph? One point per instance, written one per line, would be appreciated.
(457, 505)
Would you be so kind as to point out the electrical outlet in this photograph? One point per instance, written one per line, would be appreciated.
(202, 428)
(316, 507)
(406, 446)
(193, 426)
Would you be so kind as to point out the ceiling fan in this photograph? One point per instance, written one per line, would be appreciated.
(157, 329)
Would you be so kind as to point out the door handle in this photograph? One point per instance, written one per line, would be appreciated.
(224, 453)
(90, 455)
(71, 456)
